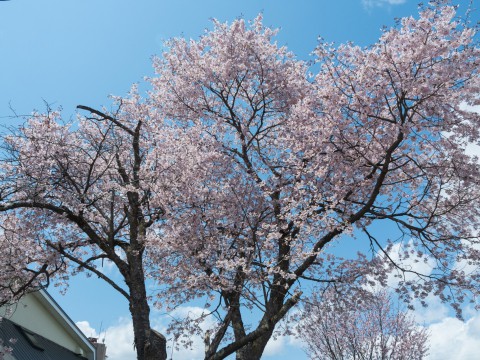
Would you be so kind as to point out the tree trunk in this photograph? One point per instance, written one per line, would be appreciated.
(150, 344)
(254, 350)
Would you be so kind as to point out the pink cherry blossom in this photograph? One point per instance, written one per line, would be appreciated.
(235, 176)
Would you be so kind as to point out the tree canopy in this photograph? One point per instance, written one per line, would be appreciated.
(239, 169)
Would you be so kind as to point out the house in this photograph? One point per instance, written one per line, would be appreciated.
(43, 331)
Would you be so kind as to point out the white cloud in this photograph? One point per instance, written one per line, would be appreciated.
(416, 264)
(452, 339)
(280, 344)
(474, 108)
(275, 346)
(472, 149)
(119, 341)
(87, 330)
(376, 3)
(413, 264)
(434, 312)
(118, 338)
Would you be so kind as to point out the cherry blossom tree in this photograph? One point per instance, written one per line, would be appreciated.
(76, 194)
(230, 180)
(376, 138)
(360, 326)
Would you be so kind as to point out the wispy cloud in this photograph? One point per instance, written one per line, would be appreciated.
(376, 3)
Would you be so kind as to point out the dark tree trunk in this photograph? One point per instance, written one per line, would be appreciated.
(254, 350)
(150, 344)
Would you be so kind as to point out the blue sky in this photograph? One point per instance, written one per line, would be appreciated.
(78, 52)
(67, 52)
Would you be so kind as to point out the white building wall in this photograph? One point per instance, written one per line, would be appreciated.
(31, 314)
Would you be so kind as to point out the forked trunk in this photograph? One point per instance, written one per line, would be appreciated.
(254, 350)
